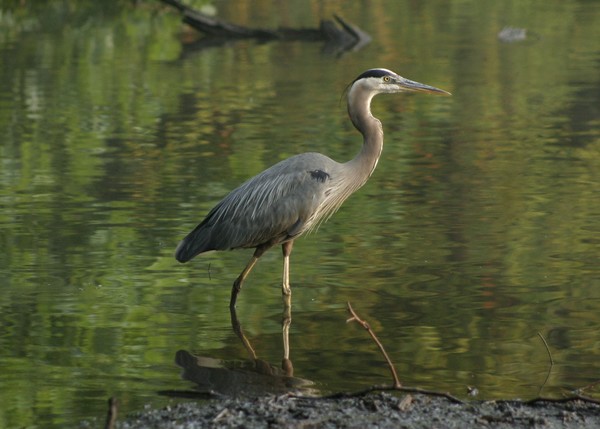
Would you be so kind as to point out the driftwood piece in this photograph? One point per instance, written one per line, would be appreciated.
(338, 34)
(111, 416)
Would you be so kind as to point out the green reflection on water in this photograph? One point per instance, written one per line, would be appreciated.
(478, 229)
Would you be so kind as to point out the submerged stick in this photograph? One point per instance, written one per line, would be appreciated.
(111, 416)
(365, 325)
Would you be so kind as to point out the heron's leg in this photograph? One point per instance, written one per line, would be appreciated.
(237, 284)
(287, 249)
(286, 363)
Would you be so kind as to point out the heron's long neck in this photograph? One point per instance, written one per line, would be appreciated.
(359, 109)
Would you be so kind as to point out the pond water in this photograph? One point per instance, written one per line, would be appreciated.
(477, 236)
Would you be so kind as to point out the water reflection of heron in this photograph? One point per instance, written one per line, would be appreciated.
(295, 195)
(244, 377)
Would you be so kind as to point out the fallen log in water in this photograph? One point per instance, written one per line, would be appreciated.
(338, 34)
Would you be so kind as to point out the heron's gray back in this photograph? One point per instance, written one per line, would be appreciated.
(280, 203)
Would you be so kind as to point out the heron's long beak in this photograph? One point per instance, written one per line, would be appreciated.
(411, 85)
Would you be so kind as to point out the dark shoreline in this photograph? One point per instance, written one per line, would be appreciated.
(381, 410)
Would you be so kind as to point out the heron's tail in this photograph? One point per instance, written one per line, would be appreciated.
(192, 245)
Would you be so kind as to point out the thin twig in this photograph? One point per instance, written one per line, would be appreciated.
(365, 325)
(587, 387)
(551, 363)
(547, 348)
(564, 400)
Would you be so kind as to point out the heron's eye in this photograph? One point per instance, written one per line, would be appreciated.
(386, 78)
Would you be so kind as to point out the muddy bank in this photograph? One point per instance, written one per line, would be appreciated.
(381, 410)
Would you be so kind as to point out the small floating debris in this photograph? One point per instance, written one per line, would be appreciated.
(512, 34)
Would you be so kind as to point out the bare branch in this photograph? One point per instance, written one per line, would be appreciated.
(365, 325)
(399, 388)
(564, 400)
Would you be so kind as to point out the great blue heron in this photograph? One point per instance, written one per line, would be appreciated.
(295, 195)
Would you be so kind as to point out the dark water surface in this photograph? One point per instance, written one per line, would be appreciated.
(479, 229)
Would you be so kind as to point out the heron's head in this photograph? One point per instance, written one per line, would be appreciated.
(381, 81)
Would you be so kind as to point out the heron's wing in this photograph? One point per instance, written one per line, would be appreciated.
(278, 204)
(275, 205)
